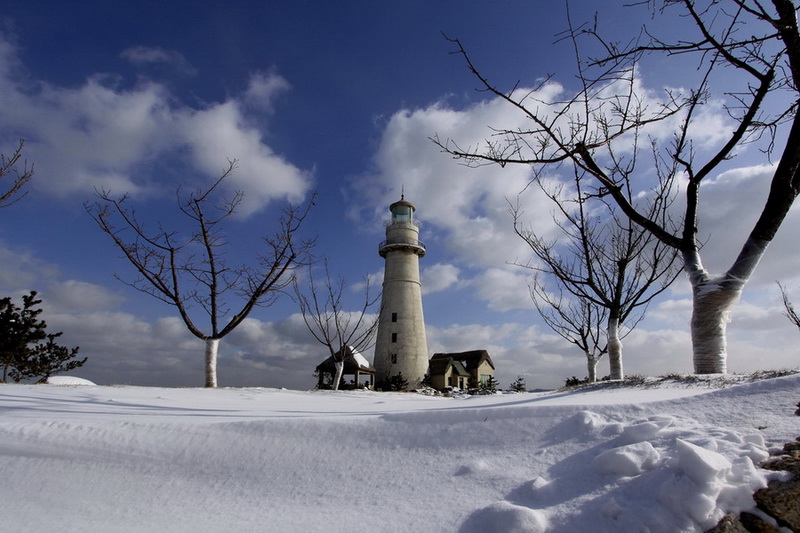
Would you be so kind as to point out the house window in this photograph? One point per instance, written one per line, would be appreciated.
(394, 337)
(394, 358)
(450, 381)
(485, 380)
(394, 317)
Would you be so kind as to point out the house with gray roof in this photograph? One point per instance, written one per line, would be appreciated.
(460, 370)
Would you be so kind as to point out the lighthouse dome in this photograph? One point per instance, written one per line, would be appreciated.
(402, 211)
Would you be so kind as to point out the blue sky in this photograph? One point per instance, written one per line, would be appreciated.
(334, 98)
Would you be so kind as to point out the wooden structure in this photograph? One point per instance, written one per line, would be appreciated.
(354, 365)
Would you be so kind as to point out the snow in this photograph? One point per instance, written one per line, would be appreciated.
(130, 459)
(360, 360)
(68, 380)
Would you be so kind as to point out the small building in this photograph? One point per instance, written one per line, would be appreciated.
(447, 373)
(460, 370)
(355, 365)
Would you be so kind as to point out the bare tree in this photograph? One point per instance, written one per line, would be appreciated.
(192, 270)
(788, 307)
(611, 265)
(576, 320)
(758, 49)
(325, 317)
(10, 170)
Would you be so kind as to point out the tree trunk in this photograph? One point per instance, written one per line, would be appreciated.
(711, 308)
(591, 367)
(614, 348)
(211, 362)
(337, 378)
(713, 299)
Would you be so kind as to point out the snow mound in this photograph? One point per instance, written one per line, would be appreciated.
(505, 517)
(630, 460)
(664, 473)
(68, 380)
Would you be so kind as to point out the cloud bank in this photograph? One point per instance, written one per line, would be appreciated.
(105, 134)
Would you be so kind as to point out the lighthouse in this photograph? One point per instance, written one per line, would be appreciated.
(401, 346)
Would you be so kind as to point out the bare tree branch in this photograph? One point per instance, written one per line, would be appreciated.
(10, 169)
(788, 308)
(610, 266)
(327, 320)
(575, 320)
(182, 270)
(760, 43)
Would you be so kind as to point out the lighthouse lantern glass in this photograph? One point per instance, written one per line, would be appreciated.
(402, 213)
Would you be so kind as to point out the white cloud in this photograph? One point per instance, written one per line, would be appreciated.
(101, 135)
(21, 270)
(711, 123)
(221, 132)
(74, 296)
(144, 56)
(125, 348)
(503, 288)
(286, 339)
(463, 210)
(375, 280)
(463, 337)
(90, 136)
(263, 88)
(439, 277)
(731, 203)
(655, 352)
(674, 312)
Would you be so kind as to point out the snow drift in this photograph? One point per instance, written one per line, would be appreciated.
(125, 459)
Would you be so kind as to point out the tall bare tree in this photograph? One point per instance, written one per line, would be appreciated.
(756, 47)
(14, 174)
(576, 320)
(193, 270)
(324, 314)
(605, 261)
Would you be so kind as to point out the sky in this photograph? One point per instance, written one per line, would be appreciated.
(338, 100)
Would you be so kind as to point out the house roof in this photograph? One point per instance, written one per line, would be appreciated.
(471, 360)
(353, 360)
(440, 366)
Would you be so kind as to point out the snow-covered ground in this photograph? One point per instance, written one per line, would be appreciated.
(135, 459)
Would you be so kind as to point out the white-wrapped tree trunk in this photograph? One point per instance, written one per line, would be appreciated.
(211, 362)
(614, 349)
(339, 366)
(710, 316)
(591, 366)
(713, 301)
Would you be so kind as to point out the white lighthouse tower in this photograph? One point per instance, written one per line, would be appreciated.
(401, 346)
